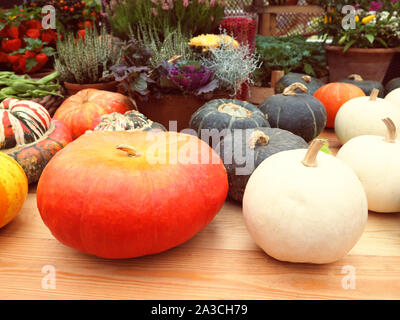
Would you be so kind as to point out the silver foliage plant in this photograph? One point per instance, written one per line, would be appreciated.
(87, 60)
(232, 66)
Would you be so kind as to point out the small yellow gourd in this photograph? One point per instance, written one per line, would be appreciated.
(13, 188)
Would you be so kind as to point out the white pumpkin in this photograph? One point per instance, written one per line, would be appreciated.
(363, 115)
(376, 161)
(394, 97)
(298, 210)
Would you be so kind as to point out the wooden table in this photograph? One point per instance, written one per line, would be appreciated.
(221, 262)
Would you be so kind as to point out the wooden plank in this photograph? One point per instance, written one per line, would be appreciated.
(220, 262)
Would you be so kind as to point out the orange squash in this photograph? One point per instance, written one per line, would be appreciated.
(334, 95)
(80, 110)
(128, 194)
(13, 188)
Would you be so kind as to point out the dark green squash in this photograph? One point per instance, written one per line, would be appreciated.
(299, 113)
(226, 114)
(365, 85)
(129, 121)
(312, 84)
(242, 152)
(392, 84)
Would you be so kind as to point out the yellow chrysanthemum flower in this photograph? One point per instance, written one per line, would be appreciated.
(357, 18)
(368, 19)
(212, 41)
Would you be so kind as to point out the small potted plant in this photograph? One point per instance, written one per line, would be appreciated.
(283, 55)
(85, 61)
(364, 46)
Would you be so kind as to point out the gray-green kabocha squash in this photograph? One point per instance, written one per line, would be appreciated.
(312, 84)
(365, 85)
(225, 115)
(242, 152)
(129, 121)
(392, 84)
(299, 113)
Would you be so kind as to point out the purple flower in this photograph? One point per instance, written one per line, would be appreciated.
(375, 5)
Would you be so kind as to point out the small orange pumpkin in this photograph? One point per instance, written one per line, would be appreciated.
(80, 110)
(334, 95)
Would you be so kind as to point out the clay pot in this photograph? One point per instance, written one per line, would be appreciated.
(73, 88)
(370, 64)
(175, 107)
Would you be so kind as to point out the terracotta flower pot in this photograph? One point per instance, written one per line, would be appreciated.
(371, 64)
(73, 88)
(175, 107)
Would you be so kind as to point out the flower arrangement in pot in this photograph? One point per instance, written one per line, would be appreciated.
(84, 62)
(171, 74)
(364, 40)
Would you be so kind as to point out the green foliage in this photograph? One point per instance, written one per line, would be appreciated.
(291, 54)
(87, 60)
(194, 17)
(381, 31)
(175, 43)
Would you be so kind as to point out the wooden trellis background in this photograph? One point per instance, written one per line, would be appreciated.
(280, 20)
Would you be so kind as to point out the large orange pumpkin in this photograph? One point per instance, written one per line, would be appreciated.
(13, 188)
(128, 194)
(334, 95)
(81, 109)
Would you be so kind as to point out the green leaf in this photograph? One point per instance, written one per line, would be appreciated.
(383, 42)
(309, 69)
(348, 45)
(30, 63)
(370, 38)
(325, 147)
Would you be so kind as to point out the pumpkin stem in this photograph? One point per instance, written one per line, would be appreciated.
(310, 159)
(374, 94)
(306, 79)
(234, 110)
(131, 151)
(355, 77)
(292, 89)
(258, 137)
(391, 130)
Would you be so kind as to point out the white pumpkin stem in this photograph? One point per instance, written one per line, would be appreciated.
(310, 159)
(355, 77)
(258, 137)
(374, 94)
(233, 107)
(131, 151)
(391, 134)
(292, 89)
(306, 79)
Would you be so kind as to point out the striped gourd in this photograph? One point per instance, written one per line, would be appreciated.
(22, 122)
(29, 135)
(130, 121)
